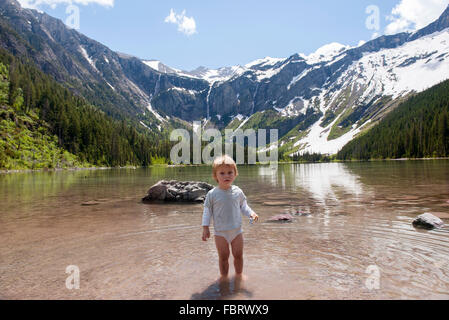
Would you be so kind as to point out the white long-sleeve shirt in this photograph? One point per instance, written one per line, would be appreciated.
(226, 208)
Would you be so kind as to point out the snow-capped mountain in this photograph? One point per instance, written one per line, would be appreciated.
(216, 75)
(160, 67)
(322, 100)
(263, 67)
(203, 73)
(318, 101)
(385, 75)
(325, 53)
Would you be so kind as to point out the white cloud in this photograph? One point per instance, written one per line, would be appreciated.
(411, 15)
(185, 24)
(34, 4)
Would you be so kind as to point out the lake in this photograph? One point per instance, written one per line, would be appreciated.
(352, 236)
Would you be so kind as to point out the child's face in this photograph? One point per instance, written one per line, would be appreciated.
(225, 176)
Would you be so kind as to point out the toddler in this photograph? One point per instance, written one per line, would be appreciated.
(226, 204)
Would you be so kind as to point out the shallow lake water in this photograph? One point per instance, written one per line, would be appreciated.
(353, 238)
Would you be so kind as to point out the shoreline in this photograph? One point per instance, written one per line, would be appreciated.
(399, 159)
(199, 165)
(60, 169)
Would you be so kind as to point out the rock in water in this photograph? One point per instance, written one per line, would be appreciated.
(178, 191)
(281, 218)
(302, 214)
(276, 203)
(90, 203)
(427, 221)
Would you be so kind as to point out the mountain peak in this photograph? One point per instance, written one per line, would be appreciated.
(325, 53)
(444, 17)
(446, 12)
(436, 26)
(267, 61)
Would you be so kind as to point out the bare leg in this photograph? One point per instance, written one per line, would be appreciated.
(237, 252)
(223, 255)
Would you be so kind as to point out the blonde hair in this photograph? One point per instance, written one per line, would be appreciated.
(224, 160)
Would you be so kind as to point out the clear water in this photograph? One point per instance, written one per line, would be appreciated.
(357, 241)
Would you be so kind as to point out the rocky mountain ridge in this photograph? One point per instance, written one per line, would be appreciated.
(318, 102)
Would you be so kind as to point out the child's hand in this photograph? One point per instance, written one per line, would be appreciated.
(254, 216)
(206, 233)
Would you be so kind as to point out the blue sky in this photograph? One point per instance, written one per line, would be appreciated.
(186, 34)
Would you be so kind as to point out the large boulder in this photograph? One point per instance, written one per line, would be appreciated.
(427, 221)
(178, 191)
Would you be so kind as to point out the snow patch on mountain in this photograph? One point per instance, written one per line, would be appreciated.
(267, 74)
(217, 75)
(267, 61)
(301, 76)
(110, 86)
(326, 53)
(89, 59)
(160, 67)
(158, 126)
(184, 90)
(153, 64)
(156, 114)
(243, 123)
(295, 107)
(317, 139)
(414, 66)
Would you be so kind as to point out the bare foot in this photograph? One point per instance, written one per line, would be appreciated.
(223, 286)
(241, 277)
(223, 278)
(239, 281)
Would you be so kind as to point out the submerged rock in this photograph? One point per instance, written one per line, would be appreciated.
(281, 218)
(276, 203)
(90, 203)
(302, 214)
(427, 221)
(178, 191)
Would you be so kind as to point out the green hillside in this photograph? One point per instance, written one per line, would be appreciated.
(43, 125)
(418, 128)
